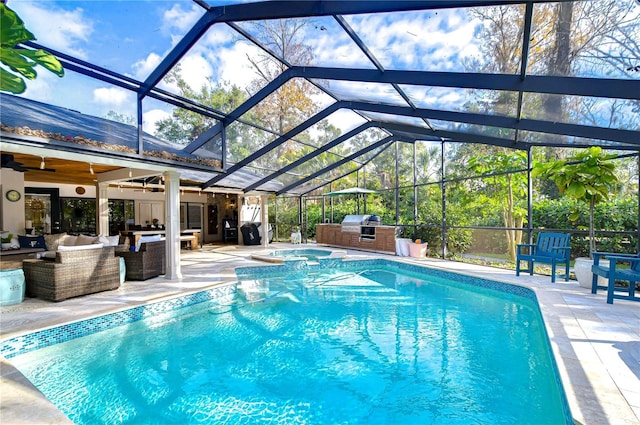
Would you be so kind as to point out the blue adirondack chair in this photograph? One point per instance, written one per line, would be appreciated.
(614, 273)
(550, 248)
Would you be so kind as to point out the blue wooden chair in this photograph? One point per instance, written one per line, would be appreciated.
(613, 272)
(550, 248)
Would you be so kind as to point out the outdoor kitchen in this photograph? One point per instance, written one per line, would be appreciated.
(359, 232)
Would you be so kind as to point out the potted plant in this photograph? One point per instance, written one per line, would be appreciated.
(589, 177)
(6, 241)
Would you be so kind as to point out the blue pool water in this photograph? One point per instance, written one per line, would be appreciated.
(309, 254)
(369, 344)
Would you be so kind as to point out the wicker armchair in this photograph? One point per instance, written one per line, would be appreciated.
(146, 263)
(72, 273)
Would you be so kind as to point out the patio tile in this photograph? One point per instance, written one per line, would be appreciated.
(596, 345)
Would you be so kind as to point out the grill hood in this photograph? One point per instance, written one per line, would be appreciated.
(355, 219)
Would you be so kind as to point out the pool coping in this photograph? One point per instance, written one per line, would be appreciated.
(595, 345)
(268, 258)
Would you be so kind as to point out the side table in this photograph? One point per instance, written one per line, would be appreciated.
(12, 286)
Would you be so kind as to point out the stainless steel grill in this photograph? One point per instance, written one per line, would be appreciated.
(352, 222)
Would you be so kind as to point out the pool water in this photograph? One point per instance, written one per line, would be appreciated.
(381, 346)
(309, 254)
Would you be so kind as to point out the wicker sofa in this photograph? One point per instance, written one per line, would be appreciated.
(85, 270)
(147, 262)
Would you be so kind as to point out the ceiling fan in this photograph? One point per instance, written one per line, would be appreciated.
(7, 161)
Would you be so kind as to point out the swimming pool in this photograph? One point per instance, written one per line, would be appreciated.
(367, 342)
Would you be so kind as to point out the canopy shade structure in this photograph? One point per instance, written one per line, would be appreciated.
(356, 77)
(351, 191)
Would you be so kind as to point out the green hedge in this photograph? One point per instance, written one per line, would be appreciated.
(619, 215)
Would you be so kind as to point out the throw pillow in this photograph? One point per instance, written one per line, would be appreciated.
(109, 240)
(143, 239)
(32, 242)
(86, 240)
(80, 247)
(54, 241)
(70, 240)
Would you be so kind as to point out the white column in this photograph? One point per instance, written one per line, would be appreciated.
(172, 224)
(264, 212)
(240, 218)
(102, 208)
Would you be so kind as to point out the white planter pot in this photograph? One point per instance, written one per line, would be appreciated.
(582, 269)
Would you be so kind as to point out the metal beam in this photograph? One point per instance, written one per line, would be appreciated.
(421, 133)
(346, 174)
(275, 143)
(313, 154)
(336, 164)
(566, 129)
(183, 46)
(204, 138)
(576, 86)
(625, 136)
(309, 8)
(596, 87)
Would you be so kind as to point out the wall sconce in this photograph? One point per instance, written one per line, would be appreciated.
(91, 168)
(42, 164)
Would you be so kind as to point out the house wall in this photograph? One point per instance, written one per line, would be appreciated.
(11, 213)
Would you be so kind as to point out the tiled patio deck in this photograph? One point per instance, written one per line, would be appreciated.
(596, 345)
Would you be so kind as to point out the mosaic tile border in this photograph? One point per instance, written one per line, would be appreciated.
(33, 341)
(25, 343)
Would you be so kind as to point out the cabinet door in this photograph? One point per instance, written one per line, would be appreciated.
(389, 244)
(331, 237)
(320, 234)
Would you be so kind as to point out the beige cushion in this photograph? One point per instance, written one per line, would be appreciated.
(80, 247)
(86, 240)
(54, 241)
(70, 240)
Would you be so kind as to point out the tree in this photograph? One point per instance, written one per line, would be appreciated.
(504, 190)
(118, 117)
(185, 126)
(18, 62)
(292, 103)
(589, 177)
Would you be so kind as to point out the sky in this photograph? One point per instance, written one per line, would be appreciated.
(132, 37)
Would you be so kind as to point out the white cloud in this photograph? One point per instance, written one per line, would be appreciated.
(150, 118)
(63, 30)
(179, 19)
(41, 89)
(196, 70)
(420, 41)
(234, 66)
(143, 68)
(345, 119)
(227, 56)
(113, 96)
